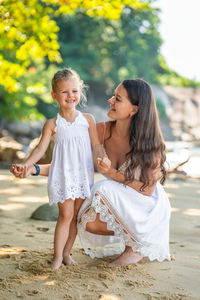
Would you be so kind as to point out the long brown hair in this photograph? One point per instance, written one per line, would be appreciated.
(146, 140)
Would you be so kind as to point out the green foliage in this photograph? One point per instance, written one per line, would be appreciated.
(33, 88)
(28, 33)
(104, 41)
(106, 51)
(170, 77)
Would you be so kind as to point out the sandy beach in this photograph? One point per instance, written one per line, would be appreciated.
(26, 252)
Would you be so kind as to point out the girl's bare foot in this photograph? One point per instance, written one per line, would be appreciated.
(127, 257)
(68, 260)
(56, 263)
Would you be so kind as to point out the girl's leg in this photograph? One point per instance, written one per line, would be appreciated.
(67, 259)
(66, 211)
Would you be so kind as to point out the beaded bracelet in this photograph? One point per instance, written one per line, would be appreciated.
(37, 170)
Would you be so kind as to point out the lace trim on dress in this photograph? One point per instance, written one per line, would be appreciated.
(58, 193)
(65, 122)
(101, 205)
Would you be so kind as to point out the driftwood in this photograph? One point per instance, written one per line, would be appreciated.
(178, 172)
(175, 170)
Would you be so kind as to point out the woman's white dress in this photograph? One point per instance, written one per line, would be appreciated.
(139, 221)
(71, 173)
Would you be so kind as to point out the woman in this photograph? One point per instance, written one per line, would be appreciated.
(129, 212)
(130, 207)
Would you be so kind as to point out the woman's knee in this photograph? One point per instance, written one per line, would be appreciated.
(100, 186)
(91, 227)
(95, 226)
(103, 187)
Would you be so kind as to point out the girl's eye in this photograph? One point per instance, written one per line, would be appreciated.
(117, 99)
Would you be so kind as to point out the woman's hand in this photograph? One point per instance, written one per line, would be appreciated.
(104, 164)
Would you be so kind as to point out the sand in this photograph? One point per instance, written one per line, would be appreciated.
(26, 252)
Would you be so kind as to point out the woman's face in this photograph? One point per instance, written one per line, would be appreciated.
(120, 105)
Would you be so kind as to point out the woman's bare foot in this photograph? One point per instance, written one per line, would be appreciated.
(68, 260)
(127, 257)
(56, 263)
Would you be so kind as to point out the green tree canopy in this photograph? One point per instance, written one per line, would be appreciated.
(104, 41)
(28, 31)
(28, 35)
(107, 51)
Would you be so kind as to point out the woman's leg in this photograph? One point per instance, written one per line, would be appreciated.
(66, 211)
(67, 259)
(127, 257)
(98, 227)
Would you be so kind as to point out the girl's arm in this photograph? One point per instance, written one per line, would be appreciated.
(44, 170)
(135, 184)
(39, 151)
(23, 170)
(96, 146)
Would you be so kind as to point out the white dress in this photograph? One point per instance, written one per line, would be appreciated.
(139, 221)
(71, 173)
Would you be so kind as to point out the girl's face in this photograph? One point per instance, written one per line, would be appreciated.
(120, 106)
(67, 93)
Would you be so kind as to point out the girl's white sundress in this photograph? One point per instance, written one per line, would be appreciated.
(139, 221)
(71, 173)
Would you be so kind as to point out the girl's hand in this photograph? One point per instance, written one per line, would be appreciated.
(17, 170)
(22, 171)
(104, 164)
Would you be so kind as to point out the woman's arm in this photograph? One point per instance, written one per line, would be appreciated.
(135, 184)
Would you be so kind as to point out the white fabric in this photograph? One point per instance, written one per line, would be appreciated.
(139, 221)
(71, 173)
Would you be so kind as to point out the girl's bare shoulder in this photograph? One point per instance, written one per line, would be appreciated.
(50, 124)
(103, 128)
(89, 117)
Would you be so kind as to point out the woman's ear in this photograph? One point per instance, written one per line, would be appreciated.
(134, 110)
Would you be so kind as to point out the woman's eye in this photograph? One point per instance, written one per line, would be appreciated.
(117, 99)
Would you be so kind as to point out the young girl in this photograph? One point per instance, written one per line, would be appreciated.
(71, 172)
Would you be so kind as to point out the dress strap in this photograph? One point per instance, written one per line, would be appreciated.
(104, 132)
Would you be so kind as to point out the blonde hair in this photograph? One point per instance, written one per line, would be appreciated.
(66, 74)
